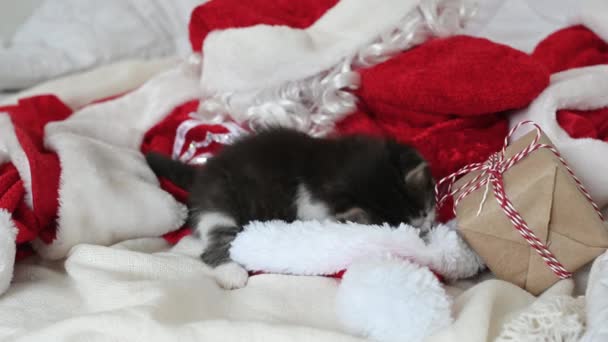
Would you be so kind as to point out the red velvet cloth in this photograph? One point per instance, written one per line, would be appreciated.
(585, 124)
(359, 123)
(461, 76)
(572, 47)
(223, 14)
(29, 116)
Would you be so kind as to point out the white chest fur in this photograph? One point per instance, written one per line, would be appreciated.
(309, 208)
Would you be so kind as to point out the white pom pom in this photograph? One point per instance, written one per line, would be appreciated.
(392, 300)
(453, 258)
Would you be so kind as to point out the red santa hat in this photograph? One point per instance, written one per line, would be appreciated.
(388, 292)
(29, 176)
(68, 178)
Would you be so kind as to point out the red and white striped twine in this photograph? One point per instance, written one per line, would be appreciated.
(492, 171)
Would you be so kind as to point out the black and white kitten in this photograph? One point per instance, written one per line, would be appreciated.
(288, 175)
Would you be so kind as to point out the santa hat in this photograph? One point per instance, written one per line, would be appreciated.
(108, 193)
(388, 292)
(28, 176)
(70, 178)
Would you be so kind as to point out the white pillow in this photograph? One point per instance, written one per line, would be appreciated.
(66, 36)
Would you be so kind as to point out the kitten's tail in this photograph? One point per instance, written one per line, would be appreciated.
(177, 172)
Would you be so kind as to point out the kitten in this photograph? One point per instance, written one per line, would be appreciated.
(288, 175)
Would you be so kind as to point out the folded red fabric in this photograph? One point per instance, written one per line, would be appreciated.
(572, 47)
(161, 136)
(224, 14)
(461, 76)
(29, 117)
(358, 123)
(585, 124)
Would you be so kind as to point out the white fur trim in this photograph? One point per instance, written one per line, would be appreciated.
(14, 152)
(317, 248)
(276, 54)
(578, 89)
(309, 208)
(8, 248)
(392, 300)
(107, 192)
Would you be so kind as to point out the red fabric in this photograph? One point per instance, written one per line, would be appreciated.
(12, 200)
(460, 76)
(585, 124)
(572, 47)
(359, 123)
(160, 138)
(174, 237)
(29, 117)
(223, 14)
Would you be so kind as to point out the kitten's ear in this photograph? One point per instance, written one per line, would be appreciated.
(416, 171)
(355, 215)
(419, 177)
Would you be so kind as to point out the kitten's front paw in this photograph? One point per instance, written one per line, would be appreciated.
(231, 276)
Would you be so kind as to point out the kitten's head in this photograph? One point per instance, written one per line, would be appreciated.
(385, 181)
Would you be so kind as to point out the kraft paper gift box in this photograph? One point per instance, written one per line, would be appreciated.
(547, 197)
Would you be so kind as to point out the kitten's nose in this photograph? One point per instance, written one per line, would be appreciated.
(417, 222)
(426, 225)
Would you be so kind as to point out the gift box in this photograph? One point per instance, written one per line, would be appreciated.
(526, 214)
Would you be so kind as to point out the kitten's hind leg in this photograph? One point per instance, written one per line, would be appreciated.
(218, 231)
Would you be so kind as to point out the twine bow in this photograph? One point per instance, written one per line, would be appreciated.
(492, 171)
